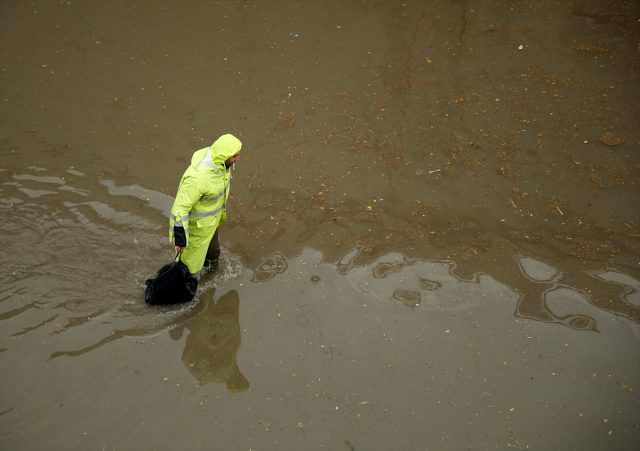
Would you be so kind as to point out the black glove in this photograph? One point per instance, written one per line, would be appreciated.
(181, 237)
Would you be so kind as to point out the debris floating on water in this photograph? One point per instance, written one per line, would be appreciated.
(420, 171)
(612, 139)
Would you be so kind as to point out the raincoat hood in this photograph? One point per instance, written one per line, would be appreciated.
(220, 151)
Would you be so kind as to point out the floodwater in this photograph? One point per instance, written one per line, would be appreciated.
(433, 235)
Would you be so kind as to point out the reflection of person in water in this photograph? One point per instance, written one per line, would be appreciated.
(213, 342)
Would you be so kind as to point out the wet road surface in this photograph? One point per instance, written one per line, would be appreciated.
(433, 233)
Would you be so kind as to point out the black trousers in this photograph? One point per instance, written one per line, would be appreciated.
(213, 253)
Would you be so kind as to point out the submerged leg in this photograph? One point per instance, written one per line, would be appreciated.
(213, 253)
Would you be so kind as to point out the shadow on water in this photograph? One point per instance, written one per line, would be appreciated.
(213, 341)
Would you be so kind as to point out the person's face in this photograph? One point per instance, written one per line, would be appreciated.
(232, 160)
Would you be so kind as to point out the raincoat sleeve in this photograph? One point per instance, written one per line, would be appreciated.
(187, 196)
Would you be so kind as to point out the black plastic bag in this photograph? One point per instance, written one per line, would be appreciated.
(173, 284)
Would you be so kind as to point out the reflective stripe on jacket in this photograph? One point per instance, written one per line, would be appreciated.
(200, 203)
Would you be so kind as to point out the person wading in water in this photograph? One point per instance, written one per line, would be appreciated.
(201, 203)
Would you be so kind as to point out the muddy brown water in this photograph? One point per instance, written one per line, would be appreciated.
(429, 244)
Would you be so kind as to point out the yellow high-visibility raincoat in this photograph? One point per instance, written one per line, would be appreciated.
(201, 200)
